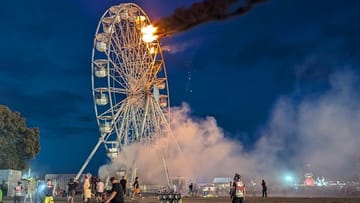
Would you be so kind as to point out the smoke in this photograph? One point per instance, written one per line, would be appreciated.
(185, 18)
(318, 133)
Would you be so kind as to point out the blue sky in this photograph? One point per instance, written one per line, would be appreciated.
(234, 70)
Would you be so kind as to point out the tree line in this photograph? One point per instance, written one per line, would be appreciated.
(18, 143)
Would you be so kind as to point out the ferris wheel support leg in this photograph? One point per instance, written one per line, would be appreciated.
(166, 168)
(101, 140)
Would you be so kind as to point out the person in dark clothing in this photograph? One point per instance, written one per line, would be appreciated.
(264, 189)
(4, 188)
(71, 187)
(191, 189)
(136, 186)
(123, 183)
(117, 193)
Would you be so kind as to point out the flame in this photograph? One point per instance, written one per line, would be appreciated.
(148, 33)
(140, 19)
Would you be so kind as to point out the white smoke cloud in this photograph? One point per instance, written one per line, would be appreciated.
(321, 131)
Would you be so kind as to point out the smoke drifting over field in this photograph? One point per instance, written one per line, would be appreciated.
(201, 12)
(320, 131)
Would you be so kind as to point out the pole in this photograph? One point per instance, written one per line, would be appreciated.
(101, 140)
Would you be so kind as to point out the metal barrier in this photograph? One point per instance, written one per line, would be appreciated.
(169, 197)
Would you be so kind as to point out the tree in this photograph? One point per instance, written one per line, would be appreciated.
(18, 143)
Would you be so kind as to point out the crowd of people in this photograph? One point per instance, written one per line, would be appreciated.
(94, 188)
(91, 188)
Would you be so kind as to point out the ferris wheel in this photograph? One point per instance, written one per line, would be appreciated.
(129, 81)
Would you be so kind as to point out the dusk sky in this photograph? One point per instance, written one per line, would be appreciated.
(239, 71)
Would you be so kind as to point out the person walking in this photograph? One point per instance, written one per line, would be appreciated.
(71, 190)
(264, 189)
(117, 193)
(136, 186)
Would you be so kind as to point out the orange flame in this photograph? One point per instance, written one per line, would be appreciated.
(148, 33)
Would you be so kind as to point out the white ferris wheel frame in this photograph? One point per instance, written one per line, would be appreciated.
(129, 82)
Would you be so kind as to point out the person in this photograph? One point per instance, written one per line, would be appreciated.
(40, 191)
(29, 189)
(136, 187)
(1, 195)
(87, 188)
(18, 192)
(123, 183)
(71, 190)
(49, 192)
(191, 189)
(117, 193)
(99, 190)
(238, 190)
(4, 188)
(264, 189)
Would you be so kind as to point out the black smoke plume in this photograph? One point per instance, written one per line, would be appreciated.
(208, 10)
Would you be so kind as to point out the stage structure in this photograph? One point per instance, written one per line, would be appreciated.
(129, 82)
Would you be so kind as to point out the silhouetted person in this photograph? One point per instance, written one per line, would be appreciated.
(71, 190)
(4, 188)
(264, 189)
(123, 183)
(136, 186)
(191, 189)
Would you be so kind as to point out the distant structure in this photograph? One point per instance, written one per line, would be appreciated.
(10, 178)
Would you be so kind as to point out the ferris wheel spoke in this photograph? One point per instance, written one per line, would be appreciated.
(143, 120)
(119, 121)
(119, 90)
(117, 56)
(111, 109)
(117, 70)
(156, 116)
